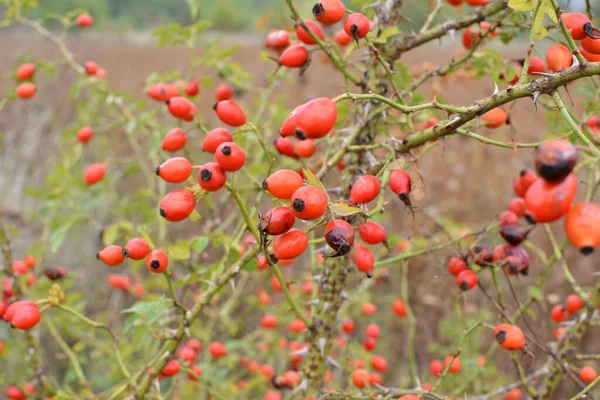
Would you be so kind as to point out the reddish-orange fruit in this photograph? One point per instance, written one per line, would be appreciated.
(469, 37)
(378, 363)
(26, 316)
(25, 71)
(559, 57)
(181, 108)
(283, 183)
(174, 140)
(192, 88)
(137, 249)
(591, 45)
(372, 232)
(559, 313)
(19, 267)
(400, 183)
(467, 279)
(215, 138)
(25, 90)
(548, 201)
(348, 326)
(172, 368)
(101, 73)
(455, 3)
(369, 309)
(555, 159)
(94, 173)
(360, 378)
(536, 64)
(484, 25)
(306, 148)
(513, 394)
(357, 26)
(119, 281)
(365, 189)
(364, 259)
(290, 245)
(591, 57)
(290, 124)
(314, 119)
(517, 206)
(14, 393)
(303, 35)
(509, 336)
(576, 22)
(211, 177)
(91, 68)
(455, 366)
(223, 92)
(582, 226)
(277, 39)
(268, 321)
(523, 182)
(286, 147)
(230, 113)
(85, 134)
(495, 118)
(84, 20)
(30, 261)
(292, 378)
(339, 235)
(399, 308)
(507, 218)
(372, 331)
(456, 265)
(230, 156)
(194, 374)
(175, 170)
(329, 12)
(308, 203)
(162, 92)
(296, 326)
(217, 350)
(157, 261)
(278, 221)
(436, 367)
(342, 38)
(112, 255)
(574, 303)
(295, 56)
(272, 396)
(177, 205)
(587, 374)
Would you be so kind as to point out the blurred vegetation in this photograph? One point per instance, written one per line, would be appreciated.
(229, 15)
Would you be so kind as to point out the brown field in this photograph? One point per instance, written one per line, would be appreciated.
(465, 180)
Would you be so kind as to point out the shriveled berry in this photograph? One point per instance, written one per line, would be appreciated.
(339, 235)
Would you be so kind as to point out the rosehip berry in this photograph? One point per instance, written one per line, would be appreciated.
(364, 259)
(211, 177)
(217, 349)
(30, 261)
(94, 173)
(523, 182)
(329, 12)
(172, 368)
(469, 37)
(295, 56)
(306, 148)
(342, 38)
(181, 108)
(223, 92)
(436, 367)
(314, 119)
(215, 138)
(283, 183)
(509, 336)
(559, 313)
(91, 68)
(548, 201)
(555, 159)
(456, 365)
(26, 317)
(84, 20)
(339, 235)
(507, 218)
(296, 326)
(466, 280)
(399, 308)
(357, 26)
(308, 203)
(119, 281)
(278, 221)
(495, 118)
(192, 88)
(379, 363)
(19, 267)
(230, 113)
(456, 265)
(85, 134)
(575, 23)
(559, 57)
(536, 64)
(303, 35)
(582, 226)
(163, 92)
(112, 255)
(25, 90)
(157, 261)
(174, 140)
(177, 205)
(290, 245)
(285, 147)
(400, 183)
(513, 234)
(25, 71)
(372, 232)
(195, 373)
(365, 189)
(230, 156)
(517, 206)
(175, 170)
(360, 378)
(588, 374)
(348, 326)
(137, 249)
(277, 40)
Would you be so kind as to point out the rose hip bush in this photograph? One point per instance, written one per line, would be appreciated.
(258, 252)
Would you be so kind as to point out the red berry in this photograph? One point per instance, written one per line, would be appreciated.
(286, 147)
(339, 235)
(510, 337)
(175, 170)
(575, 22)
(215, 138)
(360, 378)
(290, 245)
(379, 363)
(111, 255)
(306, 148)
(467, 279)
(277, 39)
(211, 177)
(192, 88)
(588, 374)
(574, 303)
(507, 218)
(137, 248)
(517, 206)
(494, 118)
(14, 393)
(283, 183)
(172, 368)
(399, 308)
(30, 261)
(195, 374)
(25, 90)
(278, 221)
(436, 368)
(357, 26)
(181, 108)
(455, 366)
(94, 173)
(400, 183)
(174, 140)
(470, 35)
(25, 71)
(230, 113)
(555, 159)
(313, 120)
(91, 68)
(348, 326)
(364, 259)
(365, 189)
(223, 92)
(372, 232)
(119, 281)
(217, 350)
(19, 267)
(303, 35)
(230, 156)
(177, 205)
(84, 20)
(268, 321)
(559, 57)
(559, 313)
(342, 38)
(157, 261)
(26, 317)
(296, 326)
(294, 56)
(456, 265)
(308, 203)
(547, 201)
(85, 134)
(536, 64)
(329, 12)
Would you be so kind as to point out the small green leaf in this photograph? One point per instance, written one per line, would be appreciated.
(110, 234)
(147, 238)
(180, 251)
(199, 244)
(251, 265)
(535, 293)
(195, 216)
(344, 209)
(521, 5)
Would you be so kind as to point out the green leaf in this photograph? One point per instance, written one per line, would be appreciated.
(389, 32)
(110, 234)
(199, 244)
(195, 216)
(535, 293)
(344, 209)
(58, 235)
(521, 5)
(180, 251)
(251, 265)
(147, 238)
(539, 29)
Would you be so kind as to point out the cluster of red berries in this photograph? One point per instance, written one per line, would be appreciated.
(157, 260)
(22, 314)
(15, 393)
